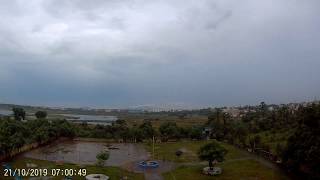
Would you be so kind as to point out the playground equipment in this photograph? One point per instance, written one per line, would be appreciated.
(97, 177)
(148, 164)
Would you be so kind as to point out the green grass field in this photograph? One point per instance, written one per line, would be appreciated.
(166, 151)
(114, 173)
(242, 169)
(238, 164)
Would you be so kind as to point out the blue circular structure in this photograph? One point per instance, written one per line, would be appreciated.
(148, 164)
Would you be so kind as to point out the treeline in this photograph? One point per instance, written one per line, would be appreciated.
(15, 133)
(139, 133)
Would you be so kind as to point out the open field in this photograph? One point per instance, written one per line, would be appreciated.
(238, 164)
(158, 119)
(242, 169)
(166, 151)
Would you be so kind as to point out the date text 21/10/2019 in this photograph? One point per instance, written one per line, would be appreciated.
(43, 172)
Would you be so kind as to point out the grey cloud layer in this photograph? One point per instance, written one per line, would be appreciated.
(128, 52)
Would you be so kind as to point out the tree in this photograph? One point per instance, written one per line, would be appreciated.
(195, 132)
(135, 134)
(147, 129)
(254, 142)
(12, 135)
(102, 157)
(19, 113)
(239, 133)
(263, 108)
(303, 150)
(219, 122)
(169, 130)
(41, 114)
(212, 152)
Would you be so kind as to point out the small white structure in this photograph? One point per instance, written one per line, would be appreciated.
(31, 165)
(97, 177)
(212, 172)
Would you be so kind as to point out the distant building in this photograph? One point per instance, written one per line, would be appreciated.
(233, 112)
(206, 132)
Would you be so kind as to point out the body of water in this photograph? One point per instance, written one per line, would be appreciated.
(90, 119)
(5, 112)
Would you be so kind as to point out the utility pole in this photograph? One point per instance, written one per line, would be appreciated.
(152, 147)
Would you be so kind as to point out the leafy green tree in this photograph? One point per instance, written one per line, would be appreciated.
(212, 152)
(195, 132)
(169, 130)
(13, 134)
(136, 134)
(220, 123)
(238, 133)
(63, 128)
(19, 113)
(147, 129)
(41, 114)
(119, 129)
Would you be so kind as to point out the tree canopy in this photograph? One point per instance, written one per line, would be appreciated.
(19, 113)
(212, 152)
(41, 114)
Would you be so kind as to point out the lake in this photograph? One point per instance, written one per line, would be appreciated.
(5, 112)
(90, 119)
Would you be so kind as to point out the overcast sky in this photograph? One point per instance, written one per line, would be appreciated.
(120, 53)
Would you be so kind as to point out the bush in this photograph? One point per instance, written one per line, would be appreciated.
(102, 157)
(41, 114)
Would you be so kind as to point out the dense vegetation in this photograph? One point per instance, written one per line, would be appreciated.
(287, 134)
(14, 134)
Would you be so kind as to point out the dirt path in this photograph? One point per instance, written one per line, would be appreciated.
(152, 176)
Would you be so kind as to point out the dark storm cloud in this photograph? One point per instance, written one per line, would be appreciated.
(129, 52)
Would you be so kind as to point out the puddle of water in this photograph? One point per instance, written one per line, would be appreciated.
(80, 152)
